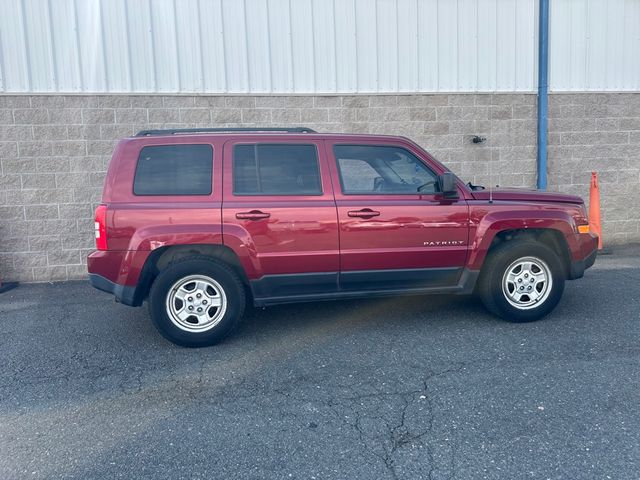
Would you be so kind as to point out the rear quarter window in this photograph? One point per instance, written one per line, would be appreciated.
(174, 170)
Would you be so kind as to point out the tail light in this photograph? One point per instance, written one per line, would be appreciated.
(101, 227)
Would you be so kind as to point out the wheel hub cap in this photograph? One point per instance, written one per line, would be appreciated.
(196, 303)
(527, 283)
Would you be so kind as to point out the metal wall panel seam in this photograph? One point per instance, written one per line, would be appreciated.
(335, 79)
(177, 44)
(375, 16)
(76, 27)
(246, 44)
(418, 69)
(624, 26)
(495, 80)
(269, 49)
(571, 52)
(636, 76)
(631, 78)
(313, 46)
(335, 49)
(52, 46)
(637, 48)
(26, 45)
(355, 43)
(152, 42)
(437, 46)
(534, 37)
(515, 48)
(397, 49)
(457, 81)
(127, 29)
(477, 80)
(104, 47)
(224, 50)
(201, 53)
(608, 58)
(586, 46)
(2, 68)
(293, 58)
(606, 40)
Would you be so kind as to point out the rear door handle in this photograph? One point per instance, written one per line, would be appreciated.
(364, 213)
(252, 215)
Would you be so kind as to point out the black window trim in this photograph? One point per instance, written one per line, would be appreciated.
(344, 192)
(282, 144)
(135, 173)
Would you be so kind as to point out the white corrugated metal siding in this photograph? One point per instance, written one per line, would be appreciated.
(313, 46)
(594, 45)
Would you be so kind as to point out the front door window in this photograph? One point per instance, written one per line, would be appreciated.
(367, 170)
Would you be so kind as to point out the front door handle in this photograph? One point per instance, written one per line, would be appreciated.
(252, 215)
(364, 213)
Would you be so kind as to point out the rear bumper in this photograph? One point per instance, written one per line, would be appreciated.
(123, 294)
(118, 273)
(589, 251)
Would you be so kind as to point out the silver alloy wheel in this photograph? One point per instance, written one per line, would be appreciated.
(196, 303)
(527, 283)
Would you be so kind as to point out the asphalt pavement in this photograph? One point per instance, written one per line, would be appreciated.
(403, 388)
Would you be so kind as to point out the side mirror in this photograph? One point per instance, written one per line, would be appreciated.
(447, 184)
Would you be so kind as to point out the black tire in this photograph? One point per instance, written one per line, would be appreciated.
(223, 277)
(501, 258)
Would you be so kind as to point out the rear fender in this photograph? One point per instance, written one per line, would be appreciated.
(158, 236)
(147, 240)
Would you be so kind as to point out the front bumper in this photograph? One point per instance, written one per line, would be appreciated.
(589, 250)
(123, 294)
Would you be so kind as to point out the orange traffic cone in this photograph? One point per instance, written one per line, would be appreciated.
(594, 209)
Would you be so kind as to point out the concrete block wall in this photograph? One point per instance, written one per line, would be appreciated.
(599, 132)
(54, 150)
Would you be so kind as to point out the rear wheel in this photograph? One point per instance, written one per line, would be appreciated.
(196, 301)
(521, 281)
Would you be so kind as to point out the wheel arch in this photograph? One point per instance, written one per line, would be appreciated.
(162, 257)
(550, 237)
(554, 228)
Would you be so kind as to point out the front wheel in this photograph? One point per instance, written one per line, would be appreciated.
(196, 302)
(522, 281)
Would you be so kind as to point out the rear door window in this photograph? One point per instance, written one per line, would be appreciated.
(271, 169)
(174, 170)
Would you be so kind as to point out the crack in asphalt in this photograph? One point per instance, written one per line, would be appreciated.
(399, 435)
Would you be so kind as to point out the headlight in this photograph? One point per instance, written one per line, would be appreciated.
(581, 219)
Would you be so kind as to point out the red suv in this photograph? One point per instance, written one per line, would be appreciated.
(199, 222)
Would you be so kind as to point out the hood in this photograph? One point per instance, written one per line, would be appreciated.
(526, 195)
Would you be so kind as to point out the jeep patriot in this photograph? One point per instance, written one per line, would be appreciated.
(200, 222)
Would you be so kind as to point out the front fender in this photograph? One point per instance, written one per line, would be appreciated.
(484, 228)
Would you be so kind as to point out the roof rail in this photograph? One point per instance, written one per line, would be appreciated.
(178, 131)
